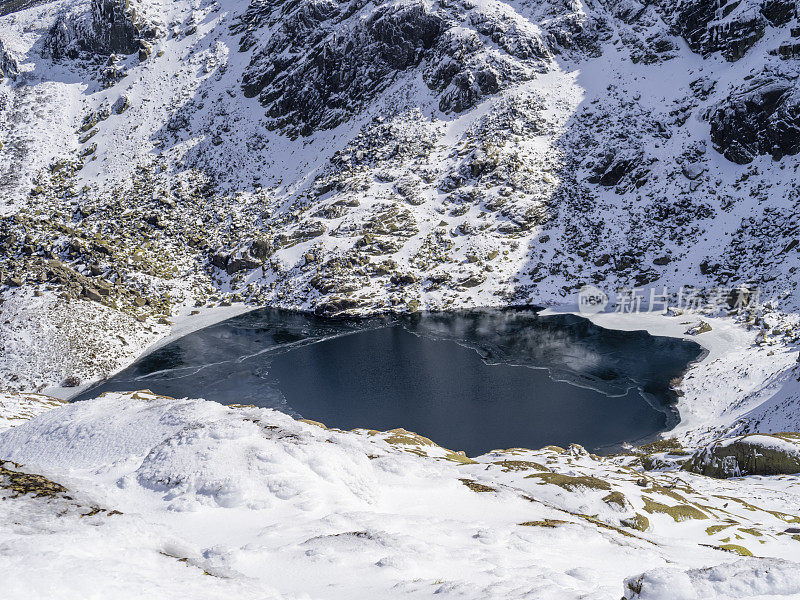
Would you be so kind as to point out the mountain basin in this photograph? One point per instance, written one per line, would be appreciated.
(471, 380)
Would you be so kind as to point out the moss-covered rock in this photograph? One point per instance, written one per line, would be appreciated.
(617, 501)
(20, 483)
(544, 523)
(756, 454)
(736, 549)
(701, 327)
(679, 512)
(477, 487)
(638, 522)
(520, 465)
(570, 483)
(411, 442)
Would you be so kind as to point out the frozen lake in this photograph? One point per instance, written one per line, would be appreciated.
(473, 380)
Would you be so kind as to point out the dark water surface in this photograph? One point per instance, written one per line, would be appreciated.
(474, 381)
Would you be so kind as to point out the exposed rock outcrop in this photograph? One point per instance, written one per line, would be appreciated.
(8, 64)
(730, 27)
(110, 26)
(762, 119)
(325, 62)
(756, 454)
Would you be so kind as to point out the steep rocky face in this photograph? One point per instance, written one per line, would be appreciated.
(9, 6)
(764, 118)
(8, 64)
(109, 27)
(114, 27)
(730, 27)
(326, 61)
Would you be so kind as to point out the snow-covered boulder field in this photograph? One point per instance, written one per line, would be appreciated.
(136, 495)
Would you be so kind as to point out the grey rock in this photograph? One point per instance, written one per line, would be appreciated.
(759, 454)
(92, 294)
(702, 24)
(764, 118)
(9, 67)
(242, 263)
(109, 27)
(326, 61)
(472, 281)
(613, 166)
(692, 171)
(71, 381)
(121, 105)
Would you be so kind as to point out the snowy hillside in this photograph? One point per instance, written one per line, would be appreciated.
(191, 498)
(158, 158)
(363, 157)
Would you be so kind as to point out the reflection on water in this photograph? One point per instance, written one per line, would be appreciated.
(474, 380)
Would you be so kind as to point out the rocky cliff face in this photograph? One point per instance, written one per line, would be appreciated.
(762, 118)
(325, 62)
(107, 27)
(730, 28)
(8, 64)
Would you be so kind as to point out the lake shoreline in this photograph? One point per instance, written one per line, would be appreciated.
(575, 369)
(707, 392)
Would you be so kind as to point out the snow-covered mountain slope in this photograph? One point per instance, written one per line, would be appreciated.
(348, 156)
(143, 495)
(372, 156)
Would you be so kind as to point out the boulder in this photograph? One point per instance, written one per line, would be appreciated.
(692, 171)
(261, 248)
(121, 105)
(755, 454)
(243, 262)
(71, 381)
(104, 288)
(472, 281)
(613, 166)
(336, 306)
(701, 327)
(92, 294)
(219, 259)
(403, 278)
